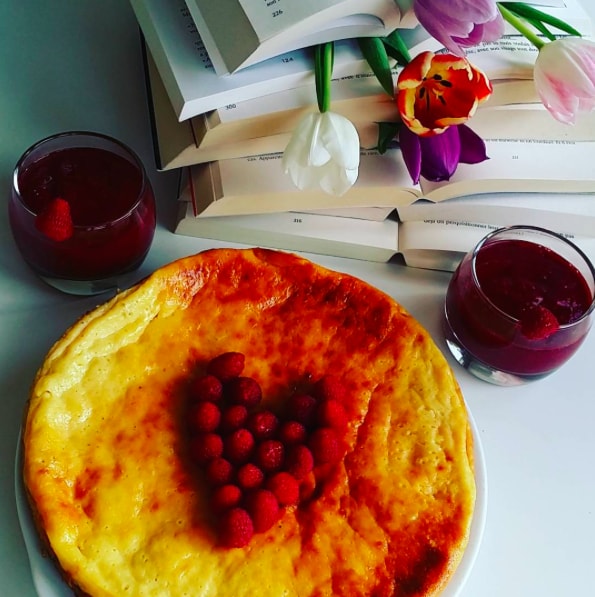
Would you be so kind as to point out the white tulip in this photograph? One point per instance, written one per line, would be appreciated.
(323, 151)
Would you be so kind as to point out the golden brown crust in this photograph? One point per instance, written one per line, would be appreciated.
(105, 463)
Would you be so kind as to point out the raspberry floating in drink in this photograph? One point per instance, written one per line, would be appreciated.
(519, 305)
(82, 212)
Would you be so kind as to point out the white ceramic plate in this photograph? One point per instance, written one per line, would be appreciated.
(48, 582)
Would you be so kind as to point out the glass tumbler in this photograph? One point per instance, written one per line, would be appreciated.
(519, 305)
(82, 211)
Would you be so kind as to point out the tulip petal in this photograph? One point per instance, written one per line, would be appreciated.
(323, 151)
(436, 91)
(341, 139)
(411, 150)
(460, 23)
(440, 155)
(473, 147)
(565, 77)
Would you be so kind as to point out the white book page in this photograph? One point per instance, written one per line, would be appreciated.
(511, 57)
(272, 17)
(264, 175)
(188, 74)
(555, 166)
(438, 244)
(240, 34)
(566, 213)
(349, 88)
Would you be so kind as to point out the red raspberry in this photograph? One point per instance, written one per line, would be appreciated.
(205, 447)
(239, 446)
(325, 445)
(55, 220)
(206, 387)
(331, 413)
(302, 408)
(291, 433)
(263, 424)
(538, 322)
(299, 461)
(263, 507)
(243, 390)
(225, 497)
(270, 455)
(204, 417)
(234, 417)
(226, 365)
(219, 471)
(330, 387)
(236, 528)
(285, 487)
(250, 476)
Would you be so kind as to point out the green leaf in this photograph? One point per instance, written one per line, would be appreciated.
(324, 57)
(533, 14)
(375, 54)
(387, 131)
(396, 48)
(541, 28)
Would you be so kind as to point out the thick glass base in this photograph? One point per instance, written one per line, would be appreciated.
(90, 287)
(485, 372)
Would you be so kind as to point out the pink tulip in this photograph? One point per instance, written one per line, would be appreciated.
(565, 77)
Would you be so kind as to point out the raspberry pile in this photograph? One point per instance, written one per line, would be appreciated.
(257, 462)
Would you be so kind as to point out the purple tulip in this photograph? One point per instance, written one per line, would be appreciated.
(460, 23)
(565, 77)
(436, 158)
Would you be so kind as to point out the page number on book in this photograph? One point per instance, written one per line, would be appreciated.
(298, 220)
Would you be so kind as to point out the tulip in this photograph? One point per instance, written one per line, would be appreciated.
(460, 23)
(436, 158)
(324, 148)
(323, 151)
(565, 77)
(436, 91)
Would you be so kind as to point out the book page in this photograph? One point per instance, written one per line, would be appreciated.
(187, 72)
(257, 184)
(510, 57)
(529, 151)
(342, 237)
(239, 33)
(522, 165)
(270, 18)
(566, 213)
(440, 245)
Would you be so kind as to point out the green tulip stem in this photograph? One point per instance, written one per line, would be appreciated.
(521, 26)
(323, 71)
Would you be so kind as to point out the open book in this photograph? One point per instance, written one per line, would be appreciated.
(430, 242)
(194, 88)
(264, 125)
(528, 152)
(240, 33)
(187, 72)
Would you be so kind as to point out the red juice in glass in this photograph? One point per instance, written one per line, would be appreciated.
(82, 211)
(519, 305)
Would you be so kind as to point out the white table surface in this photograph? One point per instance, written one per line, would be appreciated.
(76, 65)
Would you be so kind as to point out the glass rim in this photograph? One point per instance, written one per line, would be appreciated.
(546, 232)
(95, 135)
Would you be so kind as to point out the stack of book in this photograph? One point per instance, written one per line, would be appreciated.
(228, 84)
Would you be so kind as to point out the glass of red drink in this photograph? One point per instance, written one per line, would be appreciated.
(82, 211)
(519, 305)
